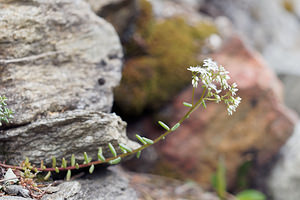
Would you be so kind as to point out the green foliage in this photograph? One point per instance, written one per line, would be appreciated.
(242, 175)
(210, 92)
(219, 184)
(219, 179)
(5, 112)
(250, 195)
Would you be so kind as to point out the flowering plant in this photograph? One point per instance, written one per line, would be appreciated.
(214, 79)
(215, 88)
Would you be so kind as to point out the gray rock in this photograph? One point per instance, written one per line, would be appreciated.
(14, 198)
(284, 181)
(267, 26)
(56, 56)
(102, 185)
(63, 134)
(120, 13)
(59, 63)
(16, 190)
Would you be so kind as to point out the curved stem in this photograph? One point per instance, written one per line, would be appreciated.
(190, 111)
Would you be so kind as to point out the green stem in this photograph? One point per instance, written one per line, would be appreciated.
(190, 111)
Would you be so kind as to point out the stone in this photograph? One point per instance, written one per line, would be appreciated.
(283, 182)
(10, 177)
(272, 27)
(101, 185)
(14, 198)
(150, 186)
(58, 59)
(64, 134)
(120, 13)
(59, 63)
(254, 133)
(16, 190)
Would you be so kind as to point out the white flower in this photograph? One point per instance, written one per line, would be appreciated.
(214, 79)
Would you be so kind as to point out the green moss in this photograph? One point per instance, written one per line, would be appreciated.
(156, 68)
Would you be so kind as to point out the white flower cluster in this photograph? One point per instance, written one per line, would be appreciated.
(214, 79)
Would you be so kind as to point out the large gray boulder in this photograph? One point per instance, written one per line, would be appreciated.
(59, 63)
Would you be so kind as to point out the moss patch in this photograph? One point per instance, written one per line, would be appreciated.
(157, 58)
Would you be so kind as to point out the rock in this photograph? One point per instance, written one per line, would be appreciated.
(16, 190)
(120, 13)
(254, 133)
(59, 63)
(268, 27)
(10, 177)
(103, 185)
(284, 179)
(118, 184)
(150, 186)
(14, 198)
(271, 27)
(63, 134)
(58, 59)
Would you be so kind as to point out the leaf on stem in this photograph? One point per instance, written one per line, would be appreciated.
(63, 163)
(115, 161)
(175, 127)
(140, 139)
(91, 170)
(138, 154)
(56, 170)
(73, 160)
(124, 147)
(112, 149)
(100, 155)
(68, 177)
(147, 140)
(53, 162)
(187, 104)
(164, 125)
(47, 176)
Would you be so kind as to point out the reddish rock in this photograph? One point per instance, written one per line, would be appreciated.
(255, 132)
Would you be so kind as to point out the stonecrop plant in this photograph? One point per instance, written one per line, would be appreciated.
(5, 112)
(213, 80)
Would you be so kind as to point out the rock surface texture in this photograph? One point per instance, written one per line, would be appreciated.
(254, 133)
(284, 180)
(58, 65)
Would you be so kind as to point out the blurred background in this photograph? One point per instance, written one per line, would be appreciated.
(258, 42)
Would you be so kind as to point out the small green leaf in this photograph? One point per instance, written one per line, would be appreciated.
(56, 170)
(164, 125)
(175, 127)
(187, 104)
(115, 161)
(73, 160)
(86, 158)
(138, 154)
(53, 162)
(100, 155)
(77, 166)
(91, 170)
(148, 141)
(112, 149)
(140, 139)
(68, 177)
(63, 163)
(250, 195)
(219, 179)
(47, 176)
(203, 103)
(123, 146)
